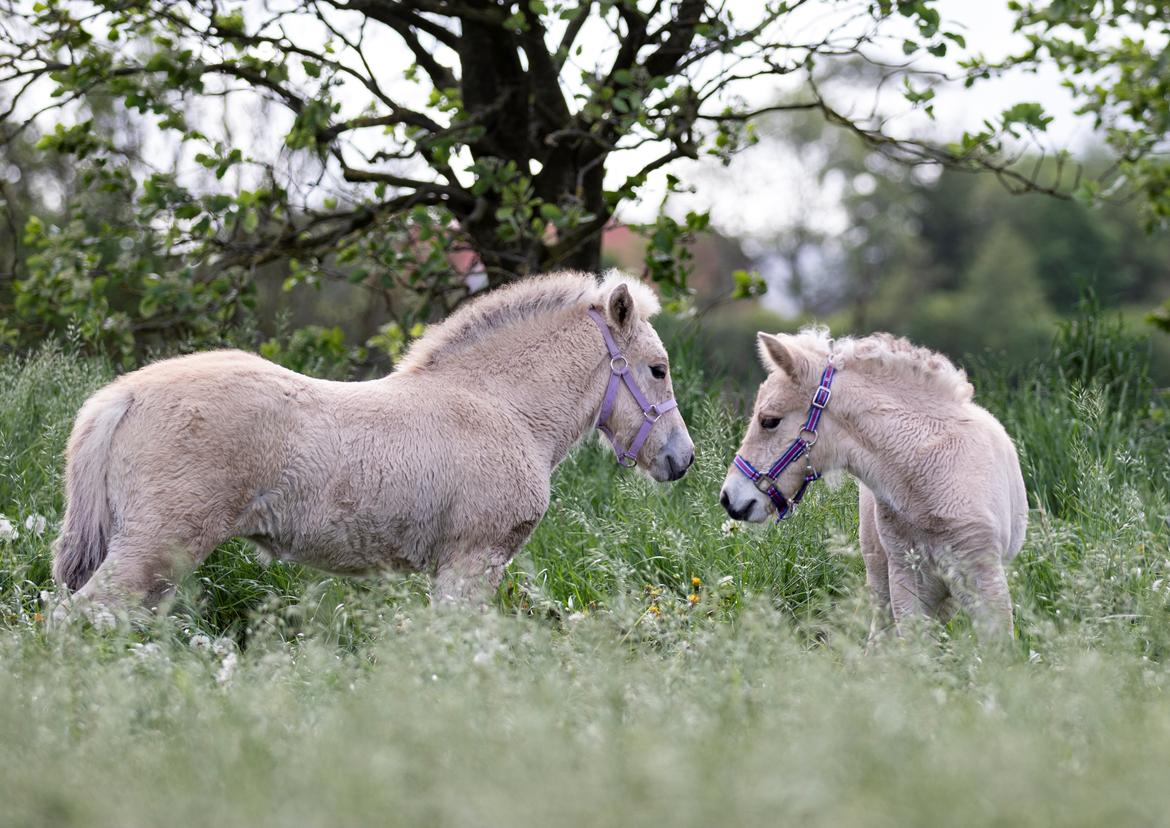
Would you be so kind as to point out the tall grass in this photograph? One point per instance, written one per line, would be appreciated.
(606, 687)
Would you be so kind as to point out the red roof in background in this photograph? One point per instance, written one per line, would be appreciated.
(618, 241)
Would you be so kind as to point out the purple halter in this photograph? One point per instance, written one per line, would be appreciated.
(800, 447)
(620, 370)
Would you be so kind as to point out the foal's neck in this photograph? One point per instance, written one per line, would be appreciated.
(551, 373)
(880, 432)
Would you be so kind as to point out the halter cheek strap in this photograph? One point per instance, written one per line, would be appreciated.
(800, 447)
(619, 369)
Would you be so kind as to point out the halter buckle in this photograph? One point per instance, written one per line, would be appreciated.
(821, 397)
(764, 483)
(613, 364)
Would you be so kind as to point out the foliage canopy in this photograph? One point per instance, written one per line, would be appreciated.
(395, 135)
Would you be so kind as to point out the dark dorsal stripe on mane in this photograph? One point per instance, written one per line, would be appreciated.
(502, 308)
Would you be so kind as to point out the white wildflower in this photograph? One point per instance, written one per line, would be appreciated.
(36, 524)
(147, 650)
(199, 643)
(7, 530)
(224, 674)
(222, 646)
(730, 527)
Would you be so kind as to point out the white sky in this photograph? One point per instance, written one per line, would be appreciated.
(761, 191)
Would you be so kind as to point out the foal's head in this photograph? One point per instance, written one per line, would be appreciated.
(668, 451)
(780, 413)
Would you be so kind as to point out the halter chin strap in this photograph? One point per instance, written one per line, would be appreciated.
(800, 447)
(619, 369)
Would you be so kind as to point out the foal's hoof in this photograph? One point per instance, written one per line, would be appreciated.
(73, 610)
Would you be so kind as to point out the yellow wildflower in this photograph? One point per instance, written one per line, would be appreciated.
(693, 598)
(696, 582)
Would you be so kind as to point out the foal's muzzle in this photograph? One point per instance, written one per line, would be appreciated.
(677, 466)
(736, 514)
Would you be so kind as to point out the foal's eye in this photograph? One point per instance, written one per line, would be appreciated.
(659, 371)
(769, 422)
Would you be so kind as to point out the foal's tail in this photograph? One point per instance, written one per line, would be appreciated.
(81, 547)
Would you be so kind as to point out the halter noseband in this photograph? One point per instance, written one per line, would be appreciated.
(619, 369)
(800, 447)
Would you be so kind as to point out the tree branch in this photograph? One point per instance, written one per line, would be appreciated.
(405, 23)
(571, 32)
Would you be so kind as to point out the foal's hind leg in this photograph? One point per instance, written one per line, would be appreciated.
(979, 583)
(142, 568)
(137, 570)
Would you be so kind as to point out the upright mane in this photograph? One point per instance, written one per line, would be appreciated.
(518, 302)
(894, 355)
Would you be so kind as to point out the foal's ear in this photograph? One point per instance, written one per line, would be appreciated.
(776, 356)
(621, 307)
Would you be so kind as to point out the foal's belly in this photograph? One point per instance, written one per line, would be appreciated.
(345, 538)
(340, 558)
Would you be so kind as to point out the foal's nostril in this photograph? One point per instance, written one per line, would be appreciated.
(690, 460)
(676, 470)
(736, 514)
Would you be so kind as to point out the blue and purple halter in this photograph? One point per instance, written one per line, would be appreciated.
(800, 447)
(619, 371)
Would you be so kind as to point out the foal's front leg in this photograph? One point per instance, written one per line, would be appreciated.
(877, 570)
(915, 592)
(470, 575)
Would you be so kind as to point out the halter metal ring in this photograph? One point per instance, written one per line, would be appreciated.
(813, 441)
(613, 364)
(622, 461)
(652, 414)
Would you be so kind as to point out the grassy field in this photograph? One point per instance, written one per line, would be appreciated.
(604, 687)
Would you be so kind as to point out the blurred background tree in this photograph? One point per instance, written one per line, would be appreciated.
(953, 260)
(319, 180)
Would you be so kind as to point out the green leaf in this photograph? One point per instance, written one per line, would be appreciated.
(748, 284)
